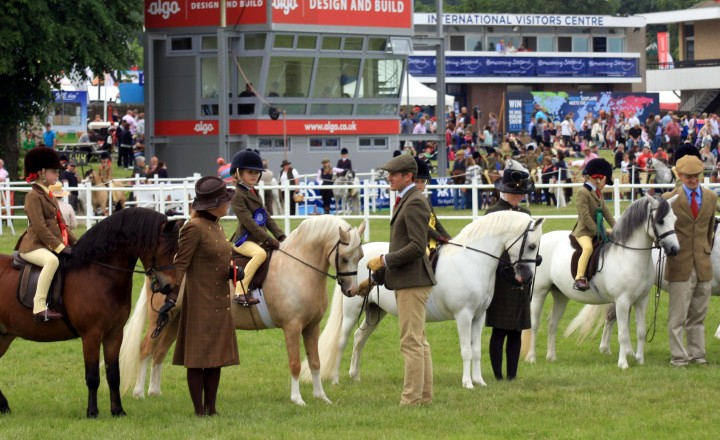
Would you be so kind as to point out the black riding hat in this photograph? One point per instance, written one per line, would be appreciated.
(246, 160)
(685, 150)
(40, 158)
(423, 170)
(515, 182)
(599, 166)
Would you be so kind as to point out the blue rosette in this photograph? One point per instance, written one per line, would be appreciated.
(260, 217)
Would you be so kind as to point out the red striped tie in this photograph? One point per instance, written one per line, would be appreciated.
(397, 201)
(694, 208)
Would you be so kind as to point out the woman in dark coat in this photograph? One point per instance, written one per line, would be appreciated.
(509, 311)
(206, 337)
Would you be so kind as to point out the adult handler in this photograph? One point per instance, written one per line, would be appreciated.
(408, 272)
(689, 273)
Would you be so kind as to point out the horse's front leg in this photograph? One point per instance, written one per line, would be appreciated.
(476, 341)
(292, 343)
(91, 355)
(111, 350)
(310, 340)
(641, 327)
(560, 302)
(622, 309)
(463, 320)
(373, 317)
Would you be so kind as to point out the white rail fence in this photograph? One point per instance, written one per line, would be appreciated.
(174, 196)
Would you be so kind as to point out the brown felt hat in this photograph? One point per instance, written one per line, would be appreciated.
(210, 192)
(402, 163)
(689, 165)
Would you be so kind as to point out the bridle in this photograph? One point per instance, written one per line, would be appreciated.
(338, 275)
(150, 273)
(657, 243)
(524, 237)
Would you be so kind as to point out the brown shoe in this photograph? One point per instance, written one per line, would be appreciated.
(245, 300)
(47, 315)
(581, 284)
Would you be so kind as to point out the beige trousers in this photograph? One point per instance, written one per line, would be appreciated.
(49, 263)
(587, 248)
(687, 308)
(414, 346)
(257, 257)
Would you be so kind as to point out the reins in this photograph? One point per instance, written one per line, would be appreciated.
(335, 249)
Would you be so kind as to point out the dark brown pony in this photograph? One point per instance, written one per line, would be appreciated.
(97, 293)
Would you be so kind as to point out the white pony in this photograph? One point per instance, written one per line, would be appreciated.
(347, 200)
(591, 316)
(460, 294)
(663, 173)
(627, 257)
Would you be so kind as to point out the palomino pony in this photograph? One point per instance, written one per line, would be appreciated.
(626, 257)
(100, 198)
(347, 200)
(293, 298)
(465, 278)
(97, 293)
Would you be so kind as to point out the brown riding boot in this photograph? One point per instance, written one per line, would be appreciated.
(47, 315)
(581, 284)
(245, 300)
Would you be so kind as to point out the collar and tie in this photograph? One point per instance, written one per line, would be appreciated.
(694, 208)
(599, 193)
(397, 201)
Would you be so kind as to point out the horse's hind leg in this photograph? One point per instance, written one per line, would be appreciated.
(373, 316)
(463, 321)
(111, 349)
(641, 328)
(5, 342)
(311, 335)
(476, 342)
(623, 320)
(91, 354)
(607, 330)
(351, 310)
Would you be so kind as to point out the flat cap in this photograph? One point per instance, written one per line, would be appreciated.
(689, 165)
(404, 162)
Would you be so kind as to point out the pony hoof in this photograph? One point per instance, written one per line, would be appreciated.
(468, 385)
(623, 365)
(298, 402)
(640, 360)
(530, 359)
(325, 399)
(139, 395)
(335, 381)
(92, 413)
(120, 413)
(4, 409)
(605, 350)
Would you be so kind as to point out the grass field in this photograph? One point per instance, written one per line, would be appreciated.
(581, 395)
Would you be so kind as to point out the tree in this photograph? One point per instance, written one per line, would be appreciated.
(41, 41)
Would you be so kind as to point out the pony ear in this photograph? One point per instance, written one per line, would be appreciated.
(361, 229)
(672, 199)
(172, 225)
(538, 223)
(344, 235)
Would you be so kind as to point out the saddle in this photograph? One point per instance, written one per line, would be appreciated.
(29, 274)
(593, 264)
(241, 261)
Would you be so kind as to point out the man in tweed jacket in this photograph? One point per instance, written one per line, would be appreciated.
(410, 275)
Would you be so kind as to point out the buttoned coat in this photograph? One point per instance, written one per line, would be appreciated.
(244, 204)
(587, 202)
(44, 230)
(695, 237)
(206, 336)
(407, 263)
(510, 305)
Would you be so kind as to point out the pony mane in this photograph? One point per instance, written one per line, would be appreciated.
(635, 216)
(323, 227)
(135, 228)
(494, 224)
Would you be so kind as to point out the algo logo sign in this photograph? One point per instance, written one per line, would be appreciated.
(286, 6)
(204, 127)
(163, 8)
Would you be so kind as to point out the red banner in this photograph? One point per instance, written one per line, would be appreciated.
(370, 13)
(188, 13)
(662, 49)
(307, 127)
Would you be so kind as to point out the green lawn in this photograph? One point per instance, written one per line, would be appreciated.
(582, 395)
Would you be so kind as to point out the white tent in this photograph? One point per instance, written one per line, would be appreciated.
(416, 93)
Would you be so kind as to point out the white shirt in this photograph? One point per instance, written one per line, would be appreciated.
(3, 174)
(565, 128)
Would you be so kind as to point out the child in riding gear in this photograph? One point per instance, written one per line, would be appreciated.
(254, 221)
(591, 211)
(47, 236)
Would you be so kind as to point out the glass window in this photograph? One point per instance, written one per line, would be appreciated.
(377, 44)
(209, 43)
(599, 44)
(209, 84)
(615, 44)
(457, 42)
(530, 43)
(332, 144)
(377, 109)
(473, 42)
(251, 67)
(689, 30)
(353, 43)
(307, 41)
(564, 44)
(580, 44)
(255, 41)
(377, 144)
(331, 43)
(545, 43)
(66, 113)
(181, 44)
(381, 78)
(331, 109)
(336, 78)
(283, 41)
(273, 144)
(292, 75)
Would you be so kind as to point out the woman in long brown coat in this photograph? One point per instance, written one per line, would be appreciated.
(206, 338)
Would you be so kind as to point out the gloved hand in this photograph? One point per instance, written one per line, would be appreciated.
(67, 251)
(375, 264)
(443, 239)
(282, 238)
(273, 243)
(169, 305)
